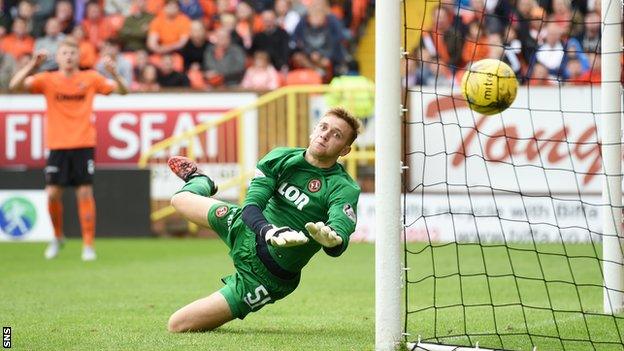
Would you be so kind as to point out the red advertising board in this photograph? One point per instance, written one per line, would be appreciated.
(122, 133)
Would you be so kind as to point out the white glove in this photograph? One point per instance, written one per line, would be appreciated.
(284, 237)
(323, 234)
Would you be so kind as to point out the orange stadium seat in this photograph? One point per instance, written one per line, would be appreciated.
(303, 76)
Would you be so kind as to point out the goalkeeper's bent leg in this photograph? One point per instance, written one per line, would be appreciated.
(201, 315)
(194, 207)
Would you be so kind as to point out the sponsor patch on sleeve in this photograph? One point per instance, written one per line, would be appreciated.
(349, 212)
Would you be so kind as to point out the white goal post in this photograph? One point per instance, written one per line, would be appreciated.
(611, 107)
(388, 228)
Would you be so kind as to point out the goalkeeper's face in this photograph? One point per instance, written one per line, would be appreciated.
(330, 138)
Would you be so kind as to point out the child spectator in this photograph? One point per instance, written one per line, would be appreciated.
(141, 60)
(148, 80)
(539, 76)
(261, 75)
(575, 73)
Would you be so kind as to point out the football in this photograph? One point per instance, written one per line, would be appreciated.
(489, 86)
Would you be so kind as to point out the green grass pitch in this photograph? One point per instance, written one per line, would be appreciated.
(123, 300)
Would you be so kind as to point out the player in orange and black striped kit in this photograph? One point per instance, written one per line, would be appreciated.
(70, 134)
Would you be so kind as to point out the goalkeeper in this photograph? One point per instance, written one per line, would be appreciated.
(299, 202)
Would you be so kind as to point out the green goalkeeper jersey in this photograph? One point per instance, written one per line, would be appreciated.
(292, 192)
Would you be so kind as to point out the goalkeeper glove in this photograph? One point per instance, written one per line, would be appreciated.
(323, 234)
(284, 237)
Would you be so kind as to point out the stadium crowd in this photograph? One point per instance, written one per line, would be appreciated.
(202, 44)
(545, 42)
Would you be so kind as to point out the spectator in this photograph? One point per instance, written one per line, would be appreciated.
(261, 75)
(192, 9)
(5, 21)
(141, 59)
(228, 22)
(97, 27)
(224, 62)
(575, 73)
(593, 74)
(133, 34)
(539, 76)
(8, 67)
(287, 18)
(246, 23)
(110, 52)
(551, 53)
(525, 16)
(64, 14)
(86, 50)
(476, 45)
(222, 7)
(26, 11)
(574, 51)
(43, 9)
(319, 36)
(590, 39)
(493, 15)
(193, 51)
(80, 9)
(168, 77)
(428, 72)
(148, 79)
(497, 50)
(155, 6)
(169, 31)
(260, 5)
(274, 40)
(117, 7)
(442, 40)
(19, 42)
(570, 21)
(50, 43)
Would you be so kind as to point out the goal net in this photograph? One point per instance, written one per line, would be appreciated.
(512, 220)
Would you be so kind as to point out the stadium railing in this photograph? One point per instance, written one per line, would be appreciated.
(283, 120)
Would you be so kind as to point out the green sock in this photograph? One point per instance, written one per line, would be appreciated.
(197, 185)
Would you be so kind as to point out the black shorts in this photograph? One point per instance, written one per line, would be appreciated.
(70, 167)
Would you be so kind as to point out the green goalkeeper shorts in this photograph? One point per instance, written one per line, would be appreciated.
(253, 285)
